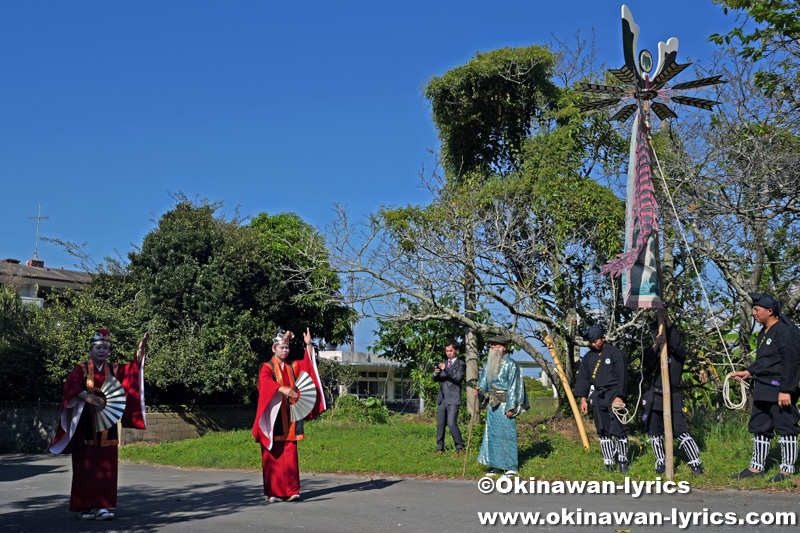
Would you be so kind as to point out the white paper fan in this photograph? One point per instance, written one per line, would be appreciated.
(114, 395)
(306, 397)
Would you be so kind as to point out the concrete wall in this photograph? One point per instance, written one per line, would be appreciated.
(29, 428)
(177, 422)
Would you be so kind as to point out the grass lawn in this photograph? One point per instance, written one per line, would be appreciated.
(548, 449)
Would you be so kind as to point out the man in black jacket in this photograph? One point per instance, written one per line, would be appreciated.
(653, 400)
(605, 367)
(774, 384)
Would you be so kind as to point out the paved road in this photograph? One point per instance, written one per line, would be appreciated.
(34, 491)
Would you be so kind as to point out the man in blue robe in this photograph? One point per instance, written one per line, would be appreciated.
(501, 384)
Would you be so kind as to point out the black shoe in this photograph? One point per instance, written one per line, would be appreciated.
(661, 468)
(746, 473)
(697, 470)
(780, 476)
(611, 468)
(624, 468)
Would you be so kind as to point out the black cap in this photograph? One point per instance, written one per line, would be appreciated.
(593, 333)
(766, 301)
(503, 339)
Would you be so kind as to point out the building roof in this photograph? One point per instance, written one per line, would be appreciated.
(43, 276)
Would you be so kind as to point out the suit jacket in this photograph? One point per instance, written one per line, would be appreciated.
(450, 379)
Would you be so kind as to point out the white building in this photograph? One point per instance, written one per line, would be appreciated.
(377, 376)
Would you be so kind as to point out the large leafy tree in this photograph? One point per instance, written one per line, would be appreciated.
(209, 298)
(484, 110)
(213, 291)
(297, 248)
(733, 180)
(768, 30)
(518, 228)
(509, 135)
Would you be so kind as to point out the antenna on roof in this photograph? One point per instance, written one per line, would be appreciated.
(38, 218)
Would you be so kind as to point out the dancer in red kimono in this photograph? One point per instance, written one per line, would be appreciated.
(94, 453)
(273, 427)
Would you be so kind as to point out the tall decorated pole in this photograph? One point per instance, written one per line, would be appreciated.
(644, 90)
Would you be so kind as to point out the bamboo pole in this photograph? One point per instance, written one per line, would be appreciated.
(666, 396)
(568, 390)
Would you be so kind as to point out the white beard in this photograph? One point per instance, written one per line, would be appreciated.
(493, 363)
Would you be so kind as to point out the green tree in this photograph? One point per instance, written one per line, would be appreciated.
(210, 298)
(484, 110)
(768, 30)
(418, 345)
(520, 229)
(213, 291)
(299, 250)
(20, 363)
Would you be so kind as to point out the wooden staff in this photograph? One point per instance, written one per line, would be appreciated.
(565, 383)
(469, 436)
(666, 400)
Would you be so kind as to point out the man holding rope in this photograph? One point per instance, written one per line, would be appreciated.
(774, 384)
(605, 367)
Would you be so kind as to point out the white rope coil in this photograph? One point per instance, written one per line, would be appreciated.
(726, 394)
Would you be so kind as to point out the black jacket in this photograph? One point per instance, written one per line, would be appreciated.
(607, 371)
(777, 365)
(676, 353)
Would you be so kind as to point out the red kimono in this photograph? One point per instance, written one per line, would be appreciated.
(273, 428)
(94, 453)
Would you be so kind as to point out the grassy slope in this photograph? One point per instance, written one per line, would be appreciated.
(405, 447)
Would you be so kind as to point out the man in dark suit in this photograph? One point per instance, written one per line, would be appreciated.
(450, 374)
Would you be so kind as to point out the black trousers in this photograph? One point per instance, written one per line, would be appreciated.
(655, 423)
(768, 418)
(447, 415)
(607, 423)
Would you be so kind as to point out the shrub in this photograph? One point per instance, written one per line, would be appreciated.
(377, 412)
(349, 407)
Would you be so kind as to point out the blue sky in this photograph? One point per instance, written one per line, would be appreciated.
(108, 106)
